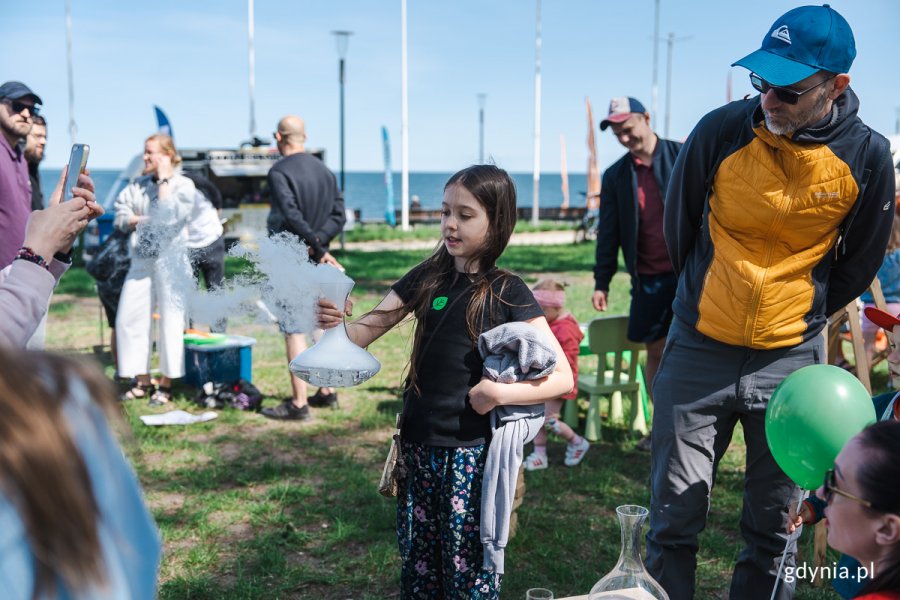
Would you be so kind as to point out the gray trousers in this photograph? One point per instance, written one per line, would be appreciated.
(702, 389)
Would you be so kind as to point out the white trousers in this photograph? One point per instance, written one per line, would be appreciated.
(149, 280)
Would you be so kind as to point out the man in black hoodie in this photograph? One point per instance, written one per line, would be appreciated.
(777, 215)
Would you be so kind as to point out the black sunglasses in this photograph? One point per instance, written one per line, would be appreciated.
(18, 107)
(830, 489)
(786, 95)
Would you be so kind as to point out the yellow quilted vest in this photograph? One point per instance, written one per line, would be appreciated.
(775, 208)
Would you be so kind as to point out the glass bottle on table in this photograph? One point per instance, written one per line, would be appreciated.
(629, 579)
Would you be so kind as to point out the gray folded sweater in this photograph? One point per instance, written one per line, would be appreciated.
(512, 352)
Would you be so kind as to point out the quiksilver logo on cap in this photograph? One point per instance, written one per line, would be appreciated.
(782, 34)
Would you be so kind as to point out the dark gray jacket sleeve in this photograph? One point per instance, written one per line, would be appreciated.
(861, 251)
(606, 257)
(335, 223)
(688, 187)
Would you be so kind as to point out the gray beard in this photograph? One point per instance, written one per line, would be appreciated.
(807, 117)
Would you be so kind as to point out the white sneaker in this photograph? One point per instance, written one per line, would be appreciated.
(536, 462)
(575, 452)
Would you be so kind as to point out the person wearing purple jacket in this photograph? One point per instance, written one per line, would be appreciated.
(26, 285)
(18, 106)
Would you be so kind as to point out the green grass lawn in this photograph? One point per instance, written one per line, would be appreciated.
(251, 508)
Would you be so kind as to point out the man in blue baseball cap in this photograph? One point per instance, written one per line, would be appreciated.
(777, 215)
(804, 61)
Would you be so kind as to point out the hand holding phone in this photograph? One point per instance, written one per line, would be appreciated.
(78, 158)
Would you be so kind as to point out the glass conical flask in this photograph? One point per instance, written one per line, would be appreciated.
(334, 361)
(629, 580)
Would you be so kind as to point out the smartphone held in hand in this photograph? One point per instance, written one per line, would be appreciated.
(77, 163)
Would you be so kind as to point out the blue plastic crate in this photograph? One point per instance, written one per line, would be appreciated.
(220, 363)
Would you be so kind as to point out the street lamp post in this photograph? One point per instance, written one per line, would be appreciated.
(343, 39)
(481, 100)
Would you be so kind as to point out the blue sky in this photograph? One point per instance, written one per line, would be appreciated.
(190, 58)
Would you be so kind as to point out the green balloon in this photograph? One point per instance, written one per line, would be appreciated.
(810, 417)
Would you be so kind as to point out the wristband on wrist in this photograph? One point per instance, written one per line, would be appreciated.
(65, 257)
(26, 253)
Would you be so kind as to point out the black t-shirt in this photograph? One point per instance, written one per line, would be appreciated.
(451, 365)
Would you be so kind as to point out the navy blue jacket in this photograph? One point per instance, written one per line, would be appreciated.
(618, 223)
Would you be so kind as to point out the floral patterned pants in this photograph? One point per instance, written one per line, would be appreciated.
(438, 518)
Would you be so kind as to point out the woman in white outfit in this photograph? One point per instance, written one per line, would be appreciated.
(156, 207)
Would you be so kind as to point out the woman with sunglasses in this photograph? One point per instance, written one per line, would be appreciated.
(860, 498)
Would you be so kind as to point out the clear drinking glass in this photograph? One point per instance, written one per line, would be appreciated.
(629, 580)
(538, 594)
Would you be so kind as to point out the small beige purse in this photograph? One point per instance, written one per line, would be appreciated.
(392, 472)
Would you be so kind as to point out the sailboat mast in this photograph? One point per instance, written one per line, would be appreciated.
(536, 194)
(73, 128)
(252, 75)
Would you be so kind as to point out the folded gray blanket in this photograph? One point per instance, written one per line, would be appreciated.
(512, 352)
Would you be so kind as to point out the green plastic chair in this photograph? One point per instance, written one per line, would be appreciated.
(617, 375)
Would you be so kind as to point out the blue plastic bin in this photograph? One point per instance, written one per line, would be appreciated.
(225, 362)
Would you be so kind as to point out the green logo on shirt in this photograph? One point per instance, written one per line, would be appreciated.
(439, 303)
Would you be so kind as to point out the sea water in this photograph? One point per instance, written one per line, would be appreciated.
(366, 191)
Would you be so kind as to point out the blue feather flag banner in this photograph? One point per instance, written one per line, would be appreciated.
(162, 122)
(389, 215)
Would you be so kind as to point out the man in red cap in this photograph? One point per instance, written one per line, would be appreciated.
(631, 218)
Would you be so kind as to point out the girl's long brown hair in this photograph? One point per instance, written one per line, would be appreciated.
(496, 192)
(41, 470)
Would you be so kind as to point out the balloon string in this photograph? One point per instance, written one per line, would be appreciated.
(787, 544)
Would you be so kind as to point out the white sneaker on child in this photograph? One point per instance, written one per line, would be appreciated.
(536, 462)
(575, 452)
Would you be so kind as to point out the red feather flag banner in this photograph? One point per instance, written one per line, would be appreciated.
(593, 173)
